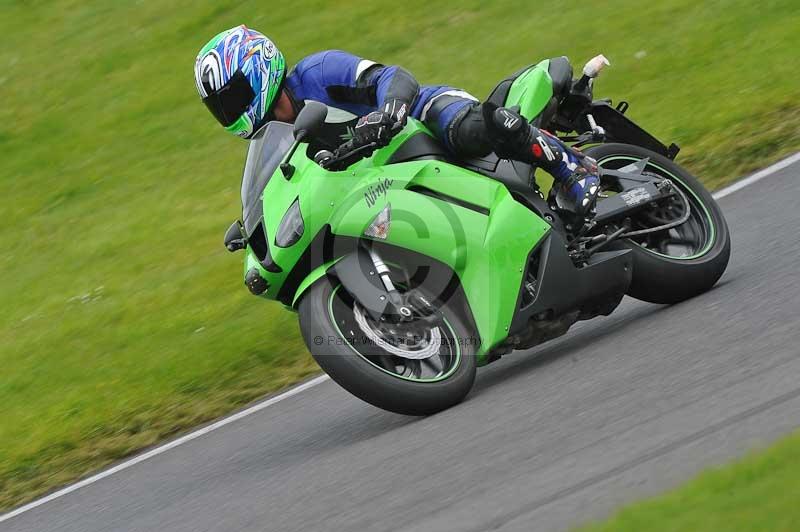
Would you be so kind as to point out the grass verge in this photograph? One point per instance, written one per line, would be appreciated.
(759, 492)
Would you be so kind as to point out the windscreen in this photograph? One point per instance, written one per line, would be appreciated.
(267, 149)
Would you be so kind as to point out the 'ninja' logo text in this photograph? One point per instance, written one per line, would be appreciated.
(374, 192)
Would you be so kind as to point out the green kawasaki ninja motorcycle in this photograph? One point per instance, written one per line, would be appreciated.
(409, 269)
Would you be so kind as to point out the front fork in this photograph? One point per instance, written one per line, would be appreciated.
(395, 299)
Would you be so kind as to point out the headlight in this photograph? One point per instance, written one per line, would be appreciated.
(291, 228)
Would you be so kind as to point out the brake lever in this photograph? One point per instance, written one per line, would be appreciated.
(349, 156)
(345, 155)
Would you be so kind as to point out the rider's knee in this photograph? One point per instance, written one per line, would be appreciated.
(469, 135)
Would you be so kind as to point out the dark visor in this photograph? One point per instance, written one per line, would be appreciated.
(231, 100)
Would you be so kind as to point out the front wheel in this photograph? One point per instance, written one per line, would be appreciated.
(681, 262)
(414, 368)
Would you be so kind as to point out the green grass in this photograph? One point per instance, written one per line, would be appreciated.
(760, 492)
(123, 320)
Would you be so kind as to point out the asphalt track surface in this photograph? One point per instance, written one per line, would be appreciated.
(621, 408)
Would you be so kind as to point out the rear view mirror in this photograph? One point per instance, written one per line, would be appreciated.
(234, 237)
(310, 120)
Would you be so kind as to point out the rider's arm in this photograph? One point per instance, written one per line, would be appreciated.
(392, 84)
(351, 79)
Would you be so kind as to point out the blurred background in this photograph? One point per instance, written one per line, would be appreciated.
(123, 319)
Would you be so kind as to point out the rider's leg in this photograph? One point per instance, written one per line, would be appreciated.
(445, 113)
(480, 129)
(515, 138)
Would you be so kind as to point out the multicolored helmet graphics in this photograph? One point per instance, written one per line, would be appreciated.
(239, 74)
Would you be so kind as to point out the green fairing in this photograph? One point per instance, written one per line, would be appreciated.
(487, 253)
(532, 90)
(312, 278)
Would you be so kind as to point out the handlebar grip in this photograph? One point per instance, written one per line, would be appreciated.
(322, 157)
(345, 148)
(345, 155)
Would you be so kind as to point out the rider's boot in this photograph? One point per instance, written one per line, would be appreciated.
(575, 174)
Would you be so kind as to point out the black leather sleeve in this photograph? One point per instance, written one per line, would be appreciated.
(391, 83)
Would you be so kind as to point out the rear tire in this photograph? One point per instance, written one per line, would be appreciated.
(355, 372)
(658, 278)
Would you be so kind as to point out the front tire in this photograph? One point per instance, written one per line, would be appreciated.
(663, 273)
(330, 323)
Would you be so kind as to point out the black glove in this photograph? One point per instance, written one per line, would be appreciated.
(398, 110)
(380, 126)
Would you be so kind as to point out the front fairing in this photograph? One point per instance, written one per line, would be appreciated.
(267, 195)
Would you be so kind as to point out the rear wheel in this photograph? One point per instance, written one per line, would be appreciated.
(417, 367)
(680, 262)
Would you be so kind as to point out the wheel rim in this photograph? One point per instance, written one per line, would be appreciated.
(690, 240)
(430, 353)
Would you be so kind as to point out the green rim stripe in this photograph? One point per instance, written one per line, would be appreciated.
(711, 240)
(437, 379)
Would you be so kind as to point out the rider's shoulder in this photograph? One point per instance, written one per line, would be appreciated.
(326, 56)
(326, 63)
(319, 60)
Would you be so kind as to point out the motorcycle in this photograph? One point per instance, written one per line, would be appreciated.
(409, 268)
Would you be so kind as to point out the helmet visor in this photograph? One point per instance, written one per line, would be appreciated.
(231, 100)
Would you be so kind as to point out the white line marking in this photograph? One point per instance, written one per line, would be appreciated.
(166, 447)
(758, 176)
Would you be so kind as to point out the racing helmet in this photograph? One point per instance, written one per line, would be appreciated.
(239, 75)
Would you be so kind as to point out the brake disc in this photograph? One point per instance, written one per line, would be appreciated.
(430, 347)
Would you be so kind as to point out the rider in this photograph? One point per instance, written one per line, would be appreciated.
(241, 77)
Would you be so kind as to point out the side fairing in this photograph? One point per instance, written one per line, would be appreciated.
(466, 221)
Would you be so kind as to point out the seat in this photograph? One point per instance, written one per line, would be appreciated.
(419, 146)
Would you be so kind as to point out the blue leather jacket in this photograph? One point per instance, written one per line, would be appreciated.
(359, 86)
